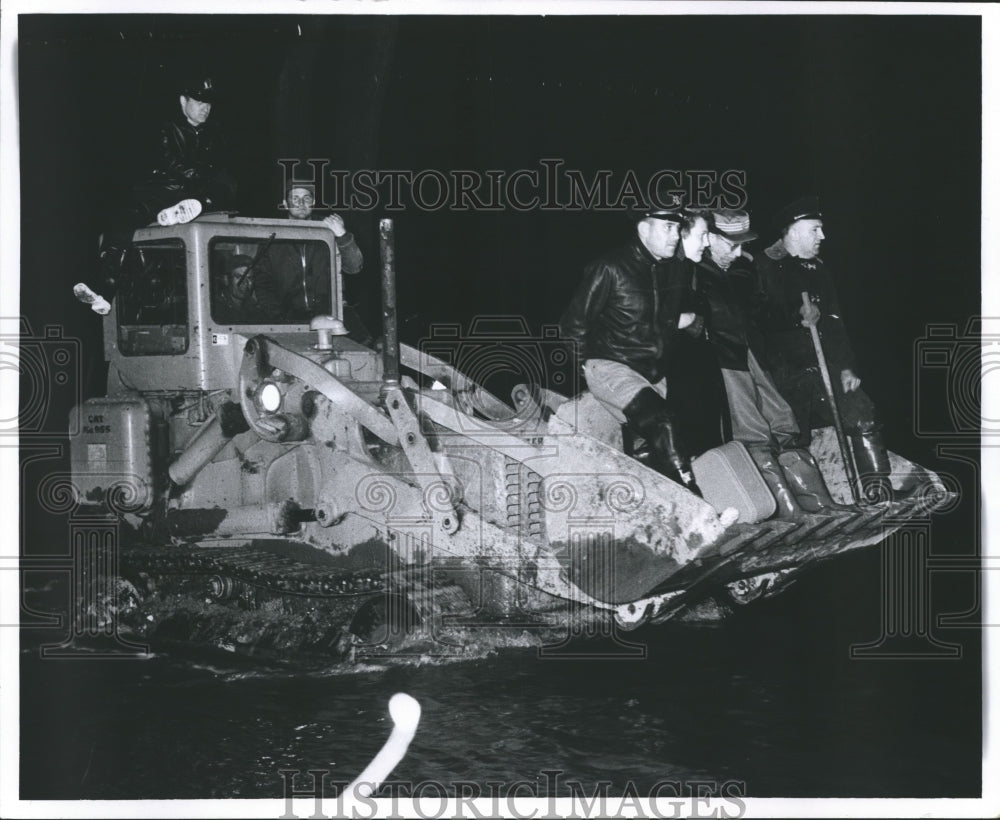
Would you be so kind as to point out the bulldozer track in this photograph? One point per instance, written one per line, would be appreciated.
(256, 567)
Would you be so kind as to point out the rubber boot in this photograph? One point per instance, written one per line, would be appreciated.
(872, 460)
(636, 446)
(649, 415)
(769, 467)
(806, 481)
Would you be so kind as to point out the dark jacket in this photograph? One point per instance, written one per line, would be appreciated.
(789, 344)
(351, 258)
(228, 308)
(626, 309)
(192, 159)
(294, 280)
(732, 301)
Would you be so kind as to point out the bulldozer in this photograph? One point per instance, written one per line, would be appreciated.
(279, 486)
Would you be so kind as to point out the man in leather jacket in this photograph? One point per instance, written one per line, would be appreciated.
(790, 267)
(190, 163)
(727, 283)
(186, 175)
(622, 319)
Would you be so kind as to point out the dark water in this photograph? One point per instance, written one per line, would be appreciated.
(770, 699)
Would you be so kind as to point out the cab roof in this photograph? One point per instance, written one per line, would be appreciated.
(219, 219)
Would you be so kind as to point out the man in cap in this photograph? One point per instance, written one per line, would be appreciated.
(186, 175)
(192, 155)
(789, 268)
(235, 300)
(299, 201)
(623, 328)
(297, 280)
(760, 418)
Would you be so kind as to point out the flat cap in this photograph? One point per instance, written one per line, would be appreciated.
(806, 207)
(733, 225)
(666, 205)
(199, 88)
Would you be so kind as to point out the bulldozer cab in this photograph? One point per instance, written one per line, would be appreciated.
(191, 294)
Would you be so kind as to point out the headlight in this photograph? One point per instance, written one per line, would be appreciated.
(268, 398)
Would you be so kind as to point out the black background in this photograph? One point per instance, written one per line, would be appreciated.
(880, 116)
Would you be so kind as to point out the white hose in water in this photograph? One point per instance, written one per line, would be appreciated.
(405, 714)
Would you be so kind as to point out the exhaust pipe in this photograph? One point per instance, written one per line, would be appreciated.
(207, 443)
(390, 332)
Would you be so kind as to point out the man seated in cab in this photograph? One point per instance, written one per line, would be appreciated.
(235, 300)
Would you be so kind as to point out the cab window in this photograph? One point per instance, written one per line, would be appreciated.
(152, 302)
(269, 280)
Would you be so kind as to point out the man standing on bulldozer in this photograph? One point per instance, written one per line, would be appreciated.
(790, 267)
(622, 320)
(728, 285)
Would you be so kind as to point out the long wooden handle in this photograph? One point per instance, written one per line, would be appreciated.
(845, 450)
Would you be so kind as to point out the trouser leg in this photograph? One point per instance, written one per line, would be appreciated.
(797, 390)
(615, 384)
(749, 424)
(697, 392)
(772, 406)
(632, 400)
